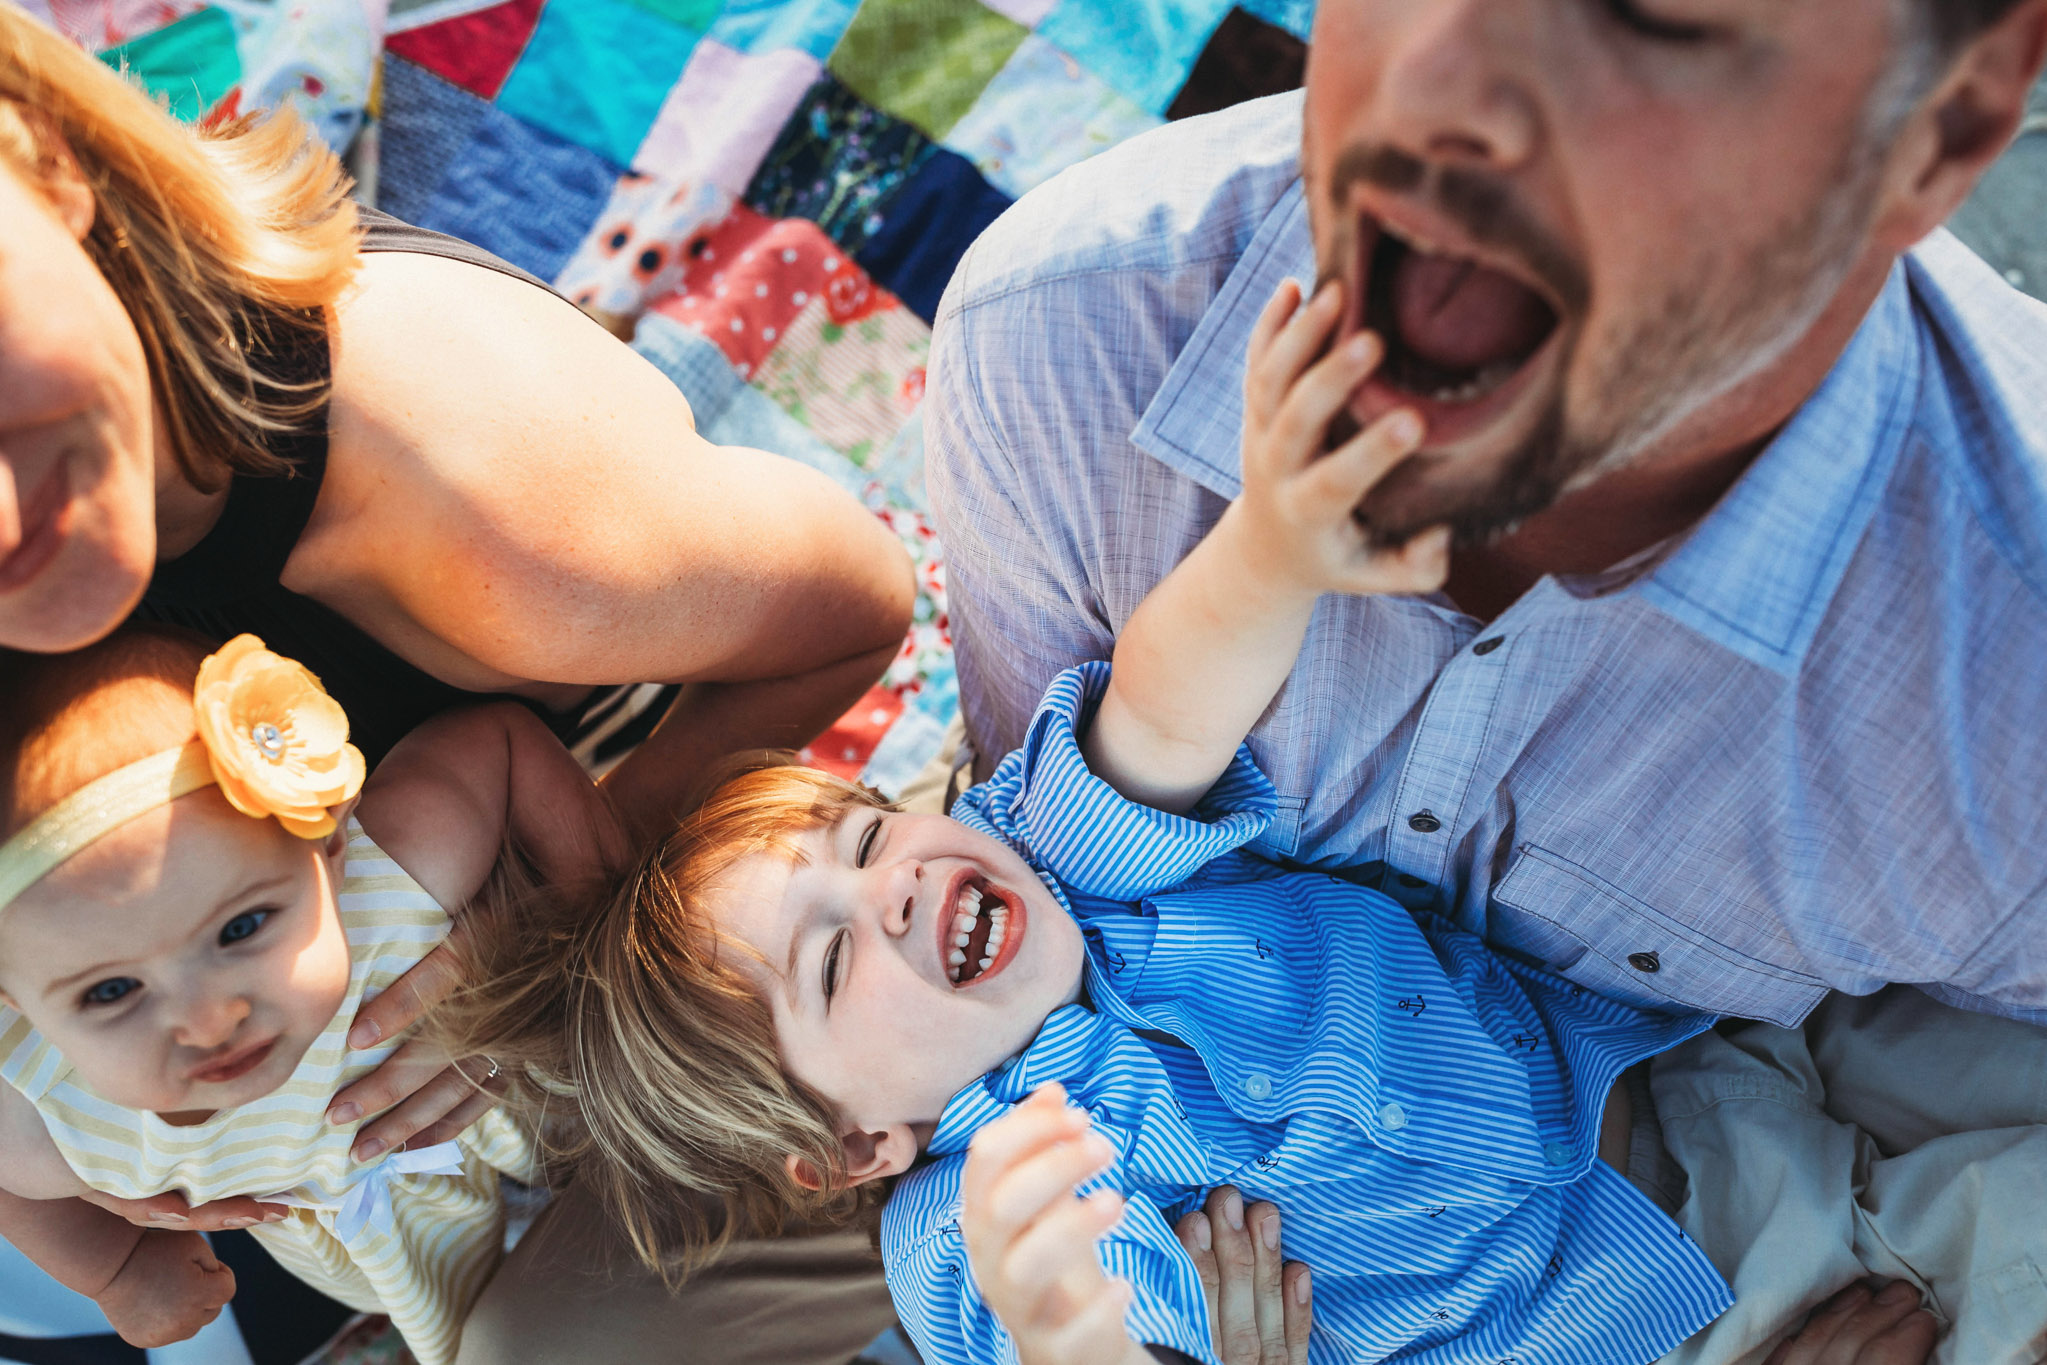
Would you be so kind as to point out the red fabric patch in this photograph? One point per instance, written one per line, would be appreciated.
(750, 276)
(475, 51)
(845, 748)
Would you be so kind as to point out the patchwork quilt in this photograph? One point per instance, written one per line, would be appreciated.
(768, 195)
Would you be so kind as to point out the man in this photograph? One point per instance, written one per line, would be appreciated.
(1734, 694)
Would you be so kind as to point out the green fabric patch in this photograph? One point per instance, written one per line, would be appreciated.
(192, 63)
(925, 61)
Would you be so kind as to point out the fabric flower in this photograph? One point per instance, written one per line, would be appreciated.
(278, 743)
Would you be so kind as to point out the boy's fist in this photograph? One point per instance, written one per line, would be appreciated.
(170, 1286)
(1293, 522)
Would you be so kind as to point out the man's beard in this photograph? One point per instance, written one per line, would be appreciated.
(1682, 354)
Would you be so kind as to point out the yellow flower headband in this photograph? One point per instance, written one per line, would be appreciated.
(269, 735)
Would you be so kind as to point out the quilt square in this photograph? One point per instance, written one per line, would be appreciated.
(850, 367)
(1295, 16)
(192, 63)
(595, 73)
(927, 226)
(1143, 48)
(836, 163)
(1043, 112)
(426, 125)
(475, 51)
(721, 118)
(521, 192)
(694, 15)
(925, 61)
(1246, 59)
(812, 26)
(639, 248)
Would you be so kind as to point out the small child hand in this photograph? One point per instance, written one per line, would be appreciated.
(170, 1286)
(1031, 1241)
(1293, 521)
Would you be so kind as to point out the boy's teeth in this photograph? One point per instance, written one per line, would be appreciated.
(960, 937)
(956, 958)
(995, 936)
(962, 923)
(986, 960)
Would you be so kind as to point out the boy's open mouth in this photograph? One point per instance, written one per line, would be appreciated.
(1456, 328)
(982, 925)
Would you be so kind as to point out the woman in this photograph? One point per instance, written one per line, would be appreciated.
(225, 403)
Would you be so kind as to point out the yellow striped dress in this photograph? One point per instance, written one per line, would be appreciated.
(388, 1237)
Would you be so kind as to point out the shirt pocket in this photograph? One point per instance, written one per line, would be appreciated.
(1577, 923)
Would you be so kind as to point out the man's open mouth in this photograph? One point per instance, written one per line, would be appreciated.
(983, 926)
(1456, 329)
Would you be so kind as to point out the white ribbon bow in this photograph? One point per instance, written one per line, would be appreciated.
(368, 1201)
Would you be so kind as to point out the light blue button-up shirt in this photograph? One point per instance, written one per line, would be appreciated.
(1803, 746)
(1424, 1113)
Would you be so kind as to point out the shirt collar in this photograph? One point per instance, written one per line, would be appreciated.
(1195, 423)
(1759, 572)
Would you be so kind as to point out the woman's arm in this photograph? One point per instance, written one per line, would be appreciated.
(1203, 655)
(517, 501)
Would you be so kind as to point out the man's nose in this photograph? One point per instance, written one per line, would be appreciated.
(206, 1021)
(1449, 89)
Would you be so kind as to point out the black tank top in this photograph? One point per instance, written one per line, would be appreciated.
(230, 581)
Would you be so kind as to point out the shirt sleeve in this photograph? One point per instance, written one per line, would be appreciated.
(1086, 834)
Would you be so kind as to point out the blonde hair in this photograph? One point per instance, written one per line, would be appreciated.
(225, 244)
(629, 1007)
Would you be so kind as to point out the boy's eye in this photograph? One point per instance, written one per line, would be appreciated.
(831, 967)
(1632, 17)
(242, 926)
(866, 845)
(108, 991)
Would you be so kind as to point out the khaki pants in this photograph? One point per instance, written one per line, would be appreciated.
(572, 1294)
(1892, 1136)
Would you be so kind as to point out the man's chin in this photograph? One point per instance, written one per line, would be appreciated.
(1480, 494)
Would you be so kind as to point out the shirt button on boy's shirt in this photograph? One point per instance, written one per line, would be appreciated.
(1392, 1117)
(1557, 1153)
(1258, 1086)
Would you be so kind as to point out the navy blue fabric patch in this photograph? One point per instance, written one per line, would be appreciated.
(426, 124)
(837, 162)
(522, 193)
(926, 226)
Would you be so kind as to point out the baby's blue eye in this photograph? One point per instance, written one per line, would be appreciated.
(242, 925)
(108, 991)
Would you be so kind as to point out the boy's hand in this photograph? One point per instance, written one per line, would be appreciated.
(1031, 1242)
(1293, 522)
(170, 1286)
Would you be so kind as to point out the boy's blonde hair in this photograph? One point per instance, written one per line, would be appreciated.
(225, 244)
(632, 1011)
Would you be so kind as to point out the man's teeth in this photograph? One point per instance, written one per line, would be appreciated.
(971, 903)
(1478, 386)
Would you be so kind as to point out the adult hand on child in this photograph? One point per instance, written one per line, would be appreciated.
(170, 1286)
(1259, 1306)
(170, 1212)
(427, 1097)
(1861, 1326)
(1295, 519)
(1031, 1241)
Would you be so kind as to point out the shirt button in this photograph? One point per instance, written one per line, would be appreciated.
(1258, 1086)
(1423, 822)
(1488, 645)
(1645, 962)
(1392, 1117)
(1557, 1153)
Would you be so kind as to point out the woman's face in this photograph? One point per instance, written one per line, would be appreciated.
(77, 482)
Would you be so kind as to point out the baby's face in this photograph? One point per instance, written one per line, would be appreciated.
(877, 1005)
(184, 962)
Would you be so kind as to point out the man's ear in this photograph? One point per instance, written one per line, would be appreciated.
(869, 1156)
(1967, 120)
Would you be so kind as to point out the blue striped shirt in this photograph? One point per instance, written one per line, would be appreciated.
(1799, 747)
(1424, 1113)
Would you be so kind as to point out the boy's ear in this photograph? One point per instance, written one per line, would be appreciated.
(869, 1156)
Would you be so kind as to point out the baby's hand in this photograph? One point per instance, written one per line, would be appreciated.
(169, 1288)
(1031, 1241)
(1293, 523)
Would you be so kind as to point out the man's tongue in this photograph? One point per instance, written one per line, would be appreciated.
(1458, 315)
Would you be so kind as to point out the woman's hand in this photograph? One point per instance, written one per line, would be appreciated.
(169, 1211)
(1031, 1241)
(1859, 1326)
(428, 1097)
(1258, 1305)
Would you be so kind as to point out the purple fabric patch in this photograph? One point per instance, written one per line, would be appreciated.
(427, 122)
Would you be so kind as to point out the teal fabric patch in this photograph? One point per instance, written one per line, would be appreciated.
(596, 72)
(192, 63)
(812, 26)
(1295, 16)
(1144, 48)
